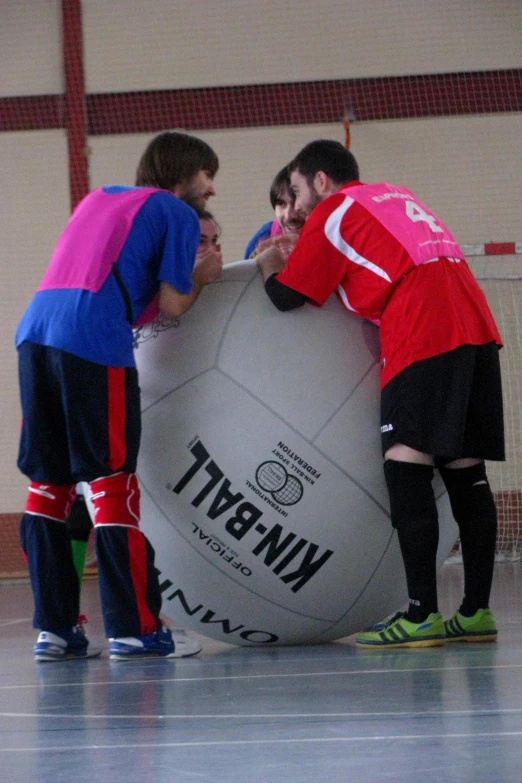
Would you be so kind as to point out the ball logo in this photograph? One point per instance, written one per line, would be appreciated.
(273, 478)
(296, 560)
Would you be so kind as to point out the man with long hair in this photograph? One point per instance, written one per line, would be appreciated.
(122, 247)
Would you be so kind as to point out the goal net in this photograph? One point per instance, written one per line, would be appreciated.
(503, 289)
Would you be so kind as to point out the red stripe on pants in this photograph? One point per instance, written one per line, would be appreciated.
(138, 569)
(116, 414)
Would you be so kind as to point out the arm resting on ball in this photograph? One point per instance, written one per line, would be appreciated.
(283, 297)
(172, 304)
(270, 262)
(208, 267)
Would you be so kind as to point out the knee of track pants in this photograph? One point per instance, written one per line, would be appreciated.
(116, 500)
(52, 501)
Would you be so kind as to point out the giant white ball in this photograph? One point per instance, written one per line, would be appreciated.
(260, 469)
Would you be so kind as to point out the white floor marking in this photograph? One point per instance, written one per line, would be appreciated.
(231, 743)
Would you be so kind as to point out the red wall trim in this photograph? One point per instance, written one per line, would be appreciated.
(262, 105)
(500, 248)
(75, 105)
(35, 112)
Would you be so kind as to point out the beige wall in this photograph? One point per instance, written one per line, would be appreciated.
(462, 167)
(30, 47)
(133, 45)
(194, 43)
(32, 214)
(468, 169)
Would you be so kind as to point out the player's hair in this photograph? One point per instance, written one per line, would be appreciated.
(281, 180)
(173, 158)
(204, 214)
(329, 156)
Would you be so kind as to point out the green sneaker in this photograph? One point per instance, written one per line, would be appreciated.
(399, 632)
(479, 628)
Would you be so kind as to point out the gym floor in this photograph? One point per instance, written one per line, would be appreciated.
(329, 712)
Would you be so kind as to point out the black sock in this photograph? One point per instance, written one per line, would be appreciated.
(476, 515)
(414, 515)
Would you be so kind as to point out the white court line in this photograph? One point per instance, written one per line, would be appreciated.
(5, 623)
(261, 716)
(227, 678)
(231, 743)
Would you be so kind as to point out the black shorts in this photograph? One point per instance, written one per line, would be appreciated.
(449, 406)
(81, 420)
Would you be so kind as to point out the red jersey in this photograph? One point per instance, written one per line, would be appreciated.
(391, 260)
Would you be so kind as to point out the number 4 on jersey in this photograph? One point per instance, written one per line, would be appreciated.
(416, 213)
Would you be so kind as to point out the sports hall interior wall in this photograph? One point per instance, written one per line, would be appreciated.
(466, 166)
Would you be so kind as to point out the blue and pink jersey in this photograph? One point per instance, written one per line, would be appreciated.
(119, 244)
(270, 229)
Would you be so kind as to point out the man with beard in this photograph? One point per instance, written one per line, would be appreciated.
(390, 259)
(80, 394)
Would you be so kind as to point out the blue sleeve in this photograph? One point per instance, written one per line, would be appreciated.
(262, 233)
(161, 246)
(180, 245)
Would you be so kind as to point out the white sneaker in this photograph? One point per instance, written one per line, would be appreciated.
(64, 646)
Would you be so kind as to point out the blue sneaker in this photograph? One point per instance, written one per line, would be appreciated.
(164, 643)
(63, 645)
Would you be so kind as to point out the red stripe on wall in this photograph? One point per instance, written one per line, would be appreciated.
(500, 248)
(35, 112)
(306, 102)
(117, 416)
(76, 111)
(295, 103)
